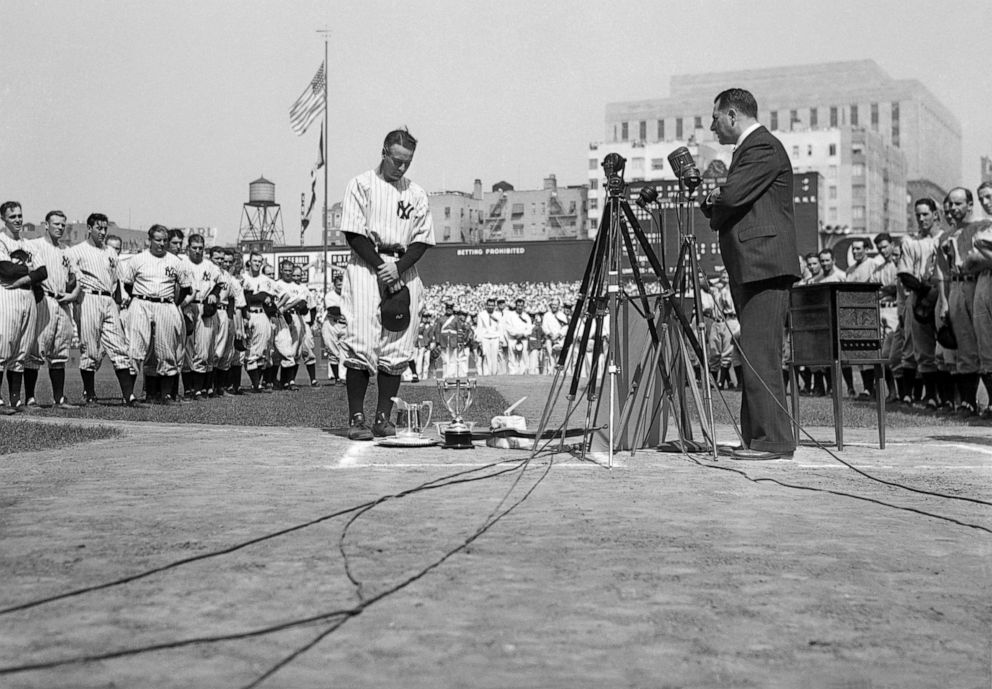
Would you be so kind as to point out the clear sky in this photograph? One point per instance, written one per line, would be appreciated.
(158, 111)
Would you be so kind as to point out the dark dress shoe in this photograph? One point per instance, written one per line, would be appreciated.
(759, 455)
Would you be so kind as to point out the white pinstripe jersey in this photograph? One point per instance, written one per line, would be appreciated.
(259, 284)
(57, 261)
(204, 276)
(387, 213)
(237, 291)
(97, 268)
(155, 276)
(8, 245)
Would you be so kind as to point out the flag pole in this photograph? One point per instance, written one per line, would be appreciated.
(327, 135)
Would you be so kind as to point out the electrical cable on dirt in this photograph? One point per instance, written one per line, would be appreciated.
(826, 449)
(765, 479)
(440, 482)
(225, 551)
(488, 524)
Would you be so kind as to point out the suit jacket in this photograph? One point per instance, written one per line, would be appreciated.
(754, 212)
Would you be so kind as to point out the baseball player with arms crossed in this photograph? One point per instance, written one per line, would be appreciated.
(55, 330)
(288, 327)
(98, 316)
(19, 275)
(155, 280)
(387, 223)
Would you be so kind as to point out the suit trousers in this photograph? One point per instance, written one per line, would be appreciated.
(761, 310)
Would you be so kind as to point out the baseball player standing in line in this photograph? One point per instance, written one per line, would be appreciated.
(156, 281)
(308, 313)
(200, 309)
(54, 327)
(289, 327)
(237, 310)
(98, 316)
(260, 291)
(224, 339)
(387, 223)
(18, 309)
(332, 329)
(174, 245)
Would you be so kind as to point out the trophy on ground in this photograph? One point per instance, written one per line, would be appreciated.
(416, 417)
(458, 394)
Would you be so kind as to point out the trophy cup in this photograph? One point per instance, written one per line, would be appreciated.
(458, 394)
(418, 417)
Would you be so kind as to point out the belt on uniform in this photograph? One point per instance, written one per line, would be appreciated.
(256, 309)
(99, 292)
(154, 300)
(394, 251)
(886, 304)
(962, 278)
(54, 295)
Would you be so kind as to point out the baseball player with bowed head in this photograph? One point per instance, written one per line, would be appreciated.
(98, 316)
(156, 280)
(19, 274)
(55, 328)
(387, 223)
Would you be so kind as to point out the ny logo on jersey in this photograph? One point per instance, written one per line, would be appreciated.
(65, 262)
(206, 275)
(403, 210)
(171, 272)
(113, 262)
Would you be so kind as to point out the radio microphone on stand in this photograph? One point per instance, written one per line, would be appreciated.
(685, 168)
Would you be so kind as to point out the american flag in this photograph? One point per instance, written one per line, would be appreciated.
(309, 105)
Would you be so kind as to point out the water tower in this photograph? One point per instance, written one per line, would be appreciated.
(261, 220)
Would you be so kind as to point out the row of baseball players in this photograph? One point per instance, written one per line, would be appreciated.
(158, 312)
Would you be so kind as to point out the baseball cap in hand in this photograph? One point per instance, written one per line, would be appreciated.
(395, 310)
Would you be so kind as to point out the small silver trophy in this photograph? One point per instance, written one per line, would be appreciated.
(457, 394)
(412, 418)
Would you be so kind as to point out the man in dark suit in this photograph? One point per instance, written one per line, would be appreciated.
(753, 213)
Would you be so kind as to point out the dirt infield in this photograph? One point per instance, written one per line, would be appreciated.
(665, 571)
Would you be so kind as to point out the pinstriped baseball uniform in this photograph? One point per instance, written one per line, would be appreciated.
(259, 352)
(389, 215)
(98, 317)
(201, 344)
(236, 327)
(306, 354)
(154, 280)
(18, 314)
(288, 325)
(224, 340)
(54, 325)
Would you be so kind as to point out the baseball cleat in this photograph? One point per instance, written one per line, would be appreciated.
(358, 429)
(383, 427)
(65, 404)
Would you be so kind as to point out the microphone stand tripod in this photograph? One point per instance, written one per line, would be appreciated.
(601, 295)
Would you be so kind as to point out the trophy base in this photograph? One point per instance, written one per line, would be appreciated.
(458, 439)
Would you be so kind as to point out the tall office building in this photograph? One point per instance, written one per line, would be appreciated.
(843, 96)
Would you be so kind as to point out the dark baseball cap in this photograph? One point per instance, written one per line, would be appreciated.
(395, 310)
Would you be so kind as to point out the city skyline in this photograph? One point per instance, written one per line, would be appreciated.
(165, 112)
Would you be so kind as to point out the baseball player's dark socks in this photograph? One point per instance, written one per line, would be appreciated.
(124, 380)
(14, 387)
(89, 384)
(357, 383)
(255, 376)
(312, 372)
(57, 376)
(153, 388)
(389, 386)
(188, 386)
(235, 380)
(30, 382)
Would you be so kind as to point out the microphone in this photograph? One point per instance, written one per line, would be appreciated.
(685, 168)
(647, 195)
